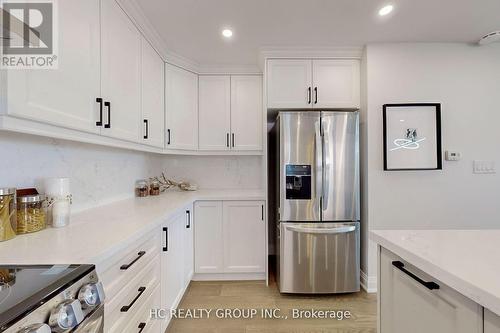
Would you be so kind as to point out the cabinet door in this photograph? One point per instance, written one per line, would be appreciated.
(181, 108)
(244, 237)
(121, 73)
(408, 306)
(65, 96)
(208, 246)
(336, 84)
(188, 246)
(172, 260)
(214, 112)
(289, 83)
(246, 112)
(153, 92)
(491, 322)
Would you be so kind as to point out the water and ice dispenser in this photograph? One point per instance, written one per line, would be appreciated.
(298, 182)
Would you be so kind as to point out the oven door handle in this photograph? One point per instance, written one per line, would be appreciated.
(329, 231)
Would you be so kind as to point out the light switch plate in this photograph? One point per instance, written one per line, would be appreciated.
(452, 155)
(484, 167)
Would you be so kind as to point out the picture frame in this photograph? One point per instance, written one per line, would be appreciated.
(412, 137)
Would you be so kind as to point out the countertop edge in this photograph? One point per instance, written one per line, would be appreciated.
(471, 291)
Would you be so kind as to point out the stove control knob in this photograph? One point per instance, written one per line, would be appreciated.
(36, 328)
(91, 295)
(66, 315)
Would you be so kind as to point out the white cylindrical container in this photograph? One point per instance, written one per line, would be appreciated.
(58, 193)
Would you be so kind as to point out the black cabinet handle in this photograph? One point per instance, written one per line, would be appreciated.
(99, 100)
(108, 105)
(262, 213)
(188, 223)
(227, 140)
(315, 95)
(127, 266)
(168, 136)
(125, 308)
(309, 95)
(146, 122)
(165, 230)
(141, 327)
(429, 285)
(233, 139)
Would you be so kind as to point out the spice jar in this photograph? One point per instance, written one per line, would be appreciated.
(31, 215)
(154, 188)
(141, 188)
(8, 216)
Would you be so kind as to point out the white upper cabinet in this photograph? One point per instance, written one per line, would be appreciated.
(289, 84)
(319, 83)
(121, 74)
(181, 93)
(65, 96)
(336, 84)
(214, 112)
(153, 96)
(244, 230)
(246, 112)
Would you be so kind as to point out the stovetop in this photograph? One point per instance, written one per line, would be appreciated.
(25, 287)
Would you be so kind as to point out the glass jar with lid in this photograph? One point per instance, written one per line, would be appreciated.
(8, 217)
(31, 213)
(154, 188)
(141, 188)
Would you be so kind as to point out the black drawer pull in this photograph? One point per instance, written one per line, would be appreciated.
(125, 308)
(188, 215)
(429, 285)
(141, 327)
(165, 248)
(127, 266)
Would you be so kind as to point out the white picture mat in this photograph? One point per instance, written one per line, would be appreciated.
(421, 118)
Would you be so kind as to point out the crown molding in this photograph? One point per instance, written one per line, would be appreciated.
(342, 52)
(230, 69)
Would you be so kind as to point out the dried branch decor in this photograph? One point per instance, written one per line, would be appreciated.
(166, 183)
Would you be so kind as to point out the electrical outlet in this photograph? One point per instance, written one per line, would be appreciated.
(451, 155)
(484, 167)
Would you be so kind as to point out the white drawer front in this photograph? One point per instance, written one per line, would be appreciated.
(117, 274)
(133, 296)
(142, 317)
(408, 305)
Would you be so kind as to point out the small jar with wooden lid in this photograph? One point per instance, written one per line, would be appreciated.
(31, 213)
(7, 213)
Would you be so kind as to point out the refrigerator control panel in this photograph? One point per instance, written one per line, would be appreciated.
(298, 182)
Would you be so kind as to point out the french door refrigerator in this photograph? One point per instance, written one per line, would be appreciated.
(318, 233)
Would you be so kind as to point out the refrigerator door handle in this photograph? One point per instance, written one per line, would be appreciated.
(325, 142)
(330, 231)
(318, 174)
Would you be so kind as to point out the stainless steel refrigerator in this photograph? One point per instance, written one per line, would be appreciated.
(318, 230)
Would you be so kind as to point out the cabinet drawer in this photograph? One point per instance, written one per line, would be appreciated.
(132, 295)
(408, 303)
(142, 318)
(122, 268)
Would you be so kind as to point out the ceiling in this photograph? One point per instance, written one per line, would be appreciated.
(192, 28)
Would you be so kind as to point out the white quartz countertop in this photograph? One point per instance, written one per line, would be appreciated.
(466, 260)
(97, 233)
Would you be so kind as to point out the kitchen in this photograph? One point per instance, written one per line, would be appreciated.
(182, 97)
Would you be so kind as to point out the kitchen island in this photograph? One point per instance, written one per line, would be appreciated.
(438, 280)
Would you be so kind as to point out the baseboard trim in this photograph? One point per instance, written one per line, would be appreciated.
(368, 283)
(228, 276)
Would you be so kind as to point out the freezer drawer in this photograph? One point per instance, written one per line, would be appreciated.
(319, 257)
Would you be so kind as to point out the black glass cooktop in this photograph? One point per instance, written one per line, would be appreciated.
(23, 288)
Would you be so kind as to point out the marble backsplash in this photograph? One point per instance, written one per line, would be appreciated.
(100, 175)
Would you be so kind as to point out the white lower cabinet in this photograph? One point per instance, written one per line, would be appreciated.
(229, 237)
(176, 260)
(491, 322)
(407, 304)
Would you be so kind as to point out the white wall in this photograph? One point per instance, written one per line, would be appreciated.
(216, 172)
(465, 79)
(99, 175)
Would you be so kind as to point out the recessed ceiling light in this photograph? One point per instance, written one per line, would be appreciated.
(227, 33)
(385, 10)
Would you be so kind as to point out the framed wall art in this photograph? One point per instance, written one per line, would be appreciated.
(412, 137)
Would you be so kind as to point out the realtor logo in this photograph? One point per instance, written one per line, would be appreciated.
(29, 31)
